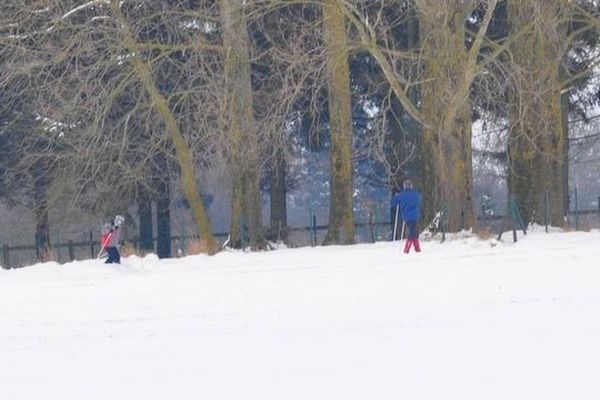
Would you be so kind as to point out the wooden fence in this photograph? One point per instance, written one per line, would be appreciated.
(81, 250)
(370, 231)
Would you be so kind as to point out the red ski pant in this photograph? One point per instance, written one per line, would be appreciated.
(412, 238)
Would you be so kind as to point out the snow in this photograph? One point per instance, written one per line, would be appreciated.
(84, 6)
(466, 319)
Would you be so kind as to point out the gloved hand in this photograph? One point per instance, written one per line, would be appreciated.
(119, 219)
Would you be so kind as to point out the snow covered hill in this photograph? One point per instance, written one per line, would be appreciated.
(462, 320)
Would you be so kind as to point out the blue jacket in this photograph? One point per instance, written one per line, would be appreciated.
(409, 201)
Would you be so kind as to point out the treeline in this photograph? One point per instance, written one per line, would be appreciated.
(110, 102)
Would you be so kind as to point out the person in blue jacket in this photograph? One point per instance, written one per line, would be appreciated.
(409, 203)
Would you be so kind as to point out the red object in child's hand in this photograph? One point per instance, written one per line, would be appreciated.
(104, 239)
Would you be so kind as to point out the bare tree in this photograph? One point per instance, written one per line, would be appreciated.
(341, 218)
(105, 76)
(538, 131)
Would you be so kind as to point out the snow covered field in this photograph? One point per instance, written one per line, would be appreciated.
(462, 320)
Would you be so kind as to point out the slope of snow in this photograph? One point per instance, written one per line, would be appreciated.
(462, 320)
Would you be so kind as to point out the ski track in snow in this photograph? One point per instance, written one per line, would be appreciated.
(461, 320)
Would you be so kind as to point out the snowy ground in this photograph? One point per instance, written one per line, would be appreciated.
(462, 320)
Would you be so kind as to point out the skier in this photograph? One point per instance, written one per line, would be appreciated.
(409, 203)
(111, 237)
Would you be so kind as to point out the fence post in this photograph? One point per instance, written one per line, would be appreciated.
(371, 230)
(92, 254)
(242, 232)
(310, 226)
(71, 251)
(442, 226)
(314, 225)
(576, 211)
(57, 247)
(546, 209)
(5, 257)
(375, 228)
(513, 217)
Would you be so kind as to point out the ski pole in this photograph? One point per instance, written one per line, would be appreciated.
(402, 232)
(395, 223)
(104, 243)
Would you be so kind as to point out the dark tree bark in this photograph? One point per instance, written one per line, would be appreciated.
(341, 212)
(404, 131)
(40, 175)
(241, 127)
(236, 225)
(146, 225)
(404, 145)
(451, 67)
(42, 227)
(538, 141)
(278, 198)
(163, 220)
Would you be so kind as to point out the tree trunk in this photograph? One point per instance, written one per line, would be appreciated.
(413, 147)
(145, 217)
(163, 220)
(564, 101)
(403, 147)
(538, 137)
(447, 179)
(41, 183)
(241, 127)
(404, 132)
(253, 209)
(341, 216)
(236, 226)
(278, 197)
(42, 227)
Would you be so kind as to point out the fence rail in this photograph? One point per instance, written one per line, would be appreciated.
(370, 232)
(88, 249)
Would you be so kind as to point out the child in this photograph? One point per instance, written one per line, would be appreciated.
(111, 237)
